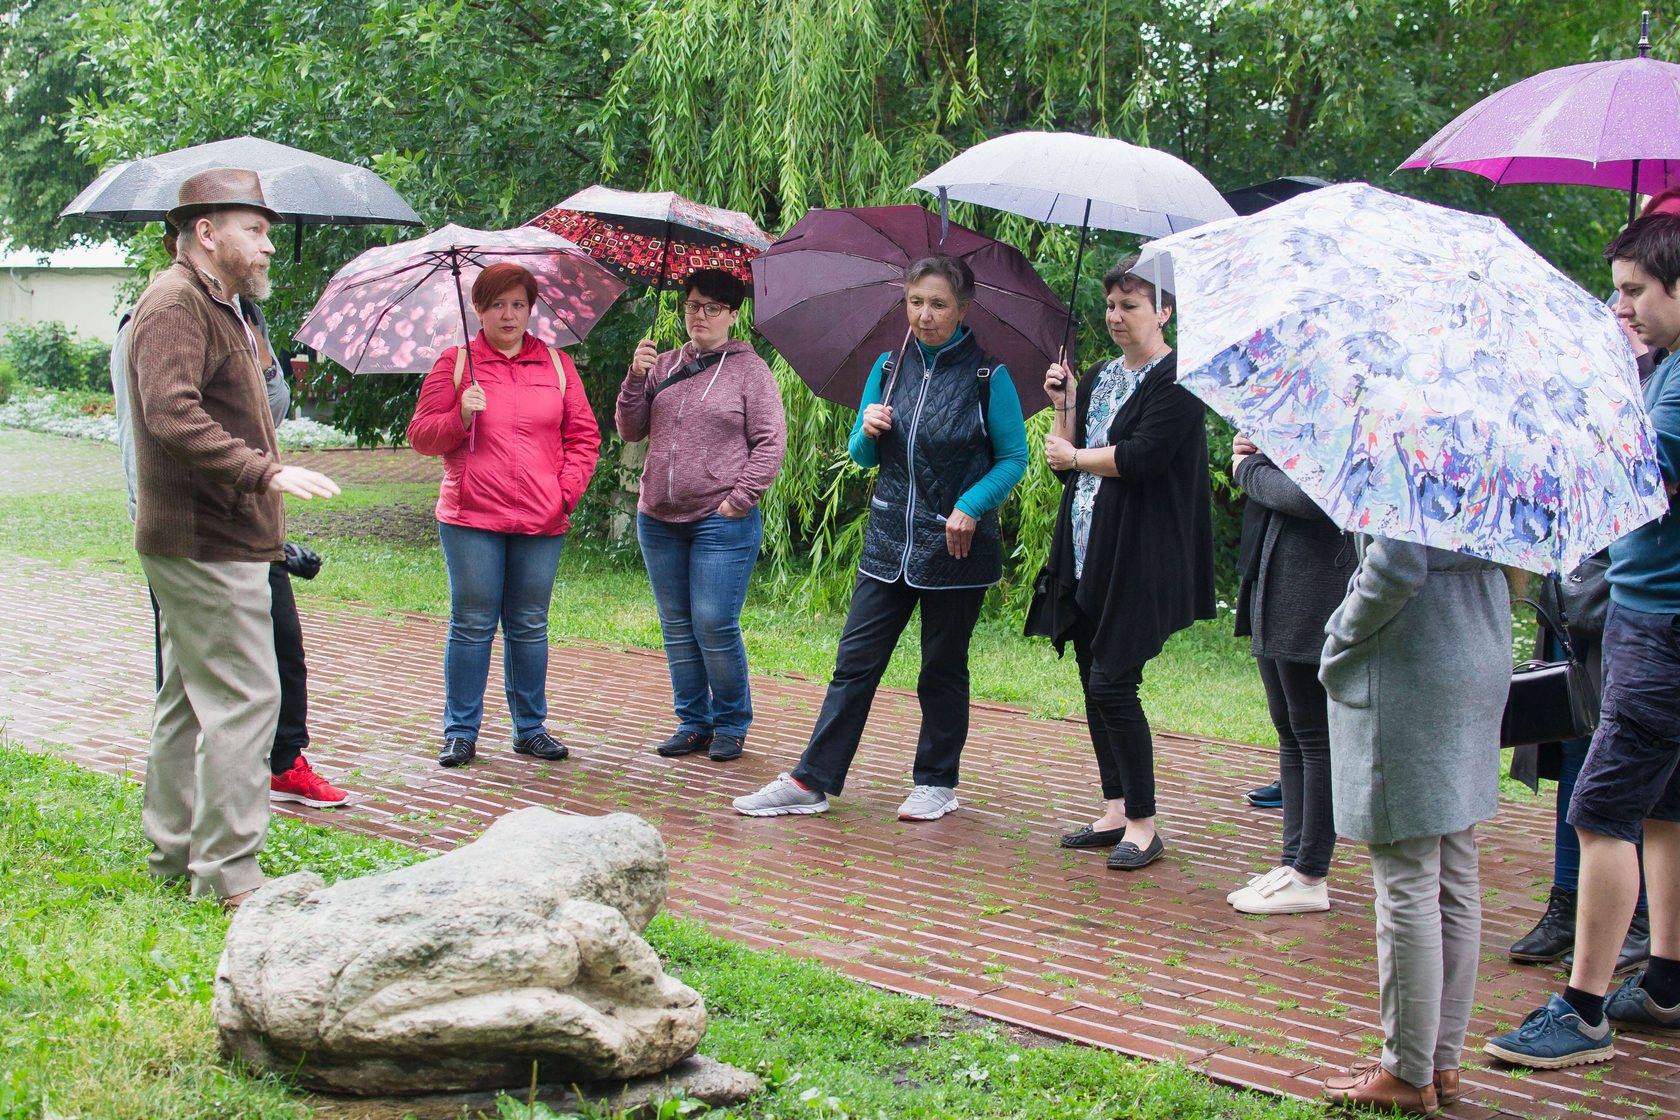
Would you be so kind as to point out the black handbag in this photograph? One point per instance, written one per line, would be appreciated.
(1549, 701)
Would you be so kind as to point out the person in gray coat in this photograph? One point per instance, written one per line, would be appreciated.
(1417, 663)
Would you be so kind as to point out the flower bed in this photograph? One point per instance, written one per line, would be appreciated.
(93, 416)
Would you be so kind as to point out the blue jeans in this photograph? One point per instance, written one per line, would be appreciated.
(699, 571)
(505, 577)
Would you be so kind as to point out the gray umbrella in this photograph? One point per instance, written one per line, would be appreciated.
(305, 188)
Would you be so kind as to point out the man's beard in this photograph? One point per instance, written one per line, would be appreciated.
(250, 277)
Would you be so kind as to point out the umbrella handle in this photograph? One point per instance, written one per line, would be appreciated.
(886, 393)
(1073, 293)
(466, 341)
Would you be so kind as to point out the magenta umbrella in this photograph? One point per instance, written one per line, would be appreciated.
(395, 308)
(1599, 124)
(829, 295)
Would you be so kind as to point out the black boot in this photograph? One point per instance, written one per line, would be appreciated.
(1553, 935)
(1636, 947)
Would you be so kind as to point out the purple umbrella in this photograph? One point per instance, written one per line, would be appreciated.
(1599, 124)
(829, 295)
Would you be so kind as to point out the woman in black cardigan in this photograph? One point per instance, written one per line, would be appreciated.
(1132, 559)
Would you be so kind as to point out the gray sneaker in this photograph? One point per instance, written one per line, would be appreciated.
(928, 803)
(1632, 1006)
(781, 798)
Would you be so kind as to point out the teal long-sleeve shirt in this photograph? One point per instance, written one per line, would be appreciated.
(1645, 565)
(1004, 422)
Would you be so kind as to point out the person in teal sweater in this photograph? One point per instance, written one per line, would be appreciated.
(943, 425)
(1630, 783)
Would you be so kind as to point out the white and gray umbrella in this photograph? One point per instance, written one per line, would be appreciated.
(305, 188)
(1071, 179)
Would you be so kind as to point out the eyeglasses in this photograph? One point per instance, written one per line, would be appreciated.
(709, 310)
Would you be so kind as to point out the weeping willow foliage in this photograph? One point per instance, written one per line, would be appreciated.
(776, 107)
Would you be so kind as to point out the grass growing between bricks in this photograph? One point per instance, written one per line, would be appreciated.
(105, 989)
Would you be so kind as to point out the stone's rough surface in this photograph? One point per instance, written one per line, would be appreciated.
(458, 972)
(697, 1079)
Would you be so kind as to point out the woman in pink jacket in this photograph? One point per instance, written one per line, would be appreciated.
(503, 509)
(712, 416)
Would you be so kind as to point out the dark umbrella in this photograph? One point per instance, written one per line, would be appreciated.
(305, 188)
(829, 295)
(656, 237)
(1252, 200)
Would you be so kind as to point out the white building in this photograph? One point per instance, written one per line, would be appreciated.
(79, 287)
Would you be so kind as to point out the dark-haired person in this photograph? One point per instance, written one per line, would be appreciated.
(946, 432)
(1629, 785)
(712, 415)
(504, 505)
(1131, 562)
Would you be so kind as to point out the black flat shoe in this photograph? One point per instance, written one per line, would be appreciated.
(457, 752)
(1127, 857)
(540, 744)
(1088, 837)
(683, 742)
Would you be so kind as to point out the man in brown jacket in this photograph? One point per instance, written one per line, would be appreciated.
(209, 520)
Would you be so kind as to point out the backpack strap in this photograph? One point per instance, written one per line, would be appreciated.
(984, 376)
(460, 367)
(559, 370)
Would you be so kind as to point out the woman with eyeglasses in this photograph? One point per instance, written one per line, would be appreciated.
(712, 415)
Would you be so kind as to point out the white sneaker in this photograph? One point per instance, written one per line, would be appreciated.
(1258, 880)
(1285, 896)
(782, 797)
(928, 803)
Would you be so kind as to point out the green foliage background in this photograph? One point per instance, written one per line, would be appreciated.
(486, 113)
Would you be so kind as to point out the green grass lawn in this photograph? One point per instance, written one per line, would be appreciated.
(105, 990)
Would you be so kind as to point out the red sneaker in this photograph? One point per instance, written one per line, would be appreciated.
(302, 784)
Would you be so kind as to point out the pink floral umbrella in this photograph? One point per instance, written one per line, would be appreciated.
(394, 309)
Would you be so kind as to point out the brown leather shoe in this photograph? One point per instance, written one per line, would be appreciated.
(1447, 1087)
(1372, 1086)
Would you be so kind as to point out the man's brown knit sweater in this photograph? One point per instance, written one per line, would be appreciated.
(204, 446)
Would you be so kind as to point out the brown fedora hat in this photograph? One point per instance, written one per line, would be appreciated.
(220, 188)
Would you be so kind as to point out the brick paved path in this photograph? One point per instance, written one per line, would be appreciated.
(979, 910)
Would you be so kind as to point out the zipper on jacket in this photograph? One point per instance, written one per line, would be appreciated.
(671, 468)
(910, 468)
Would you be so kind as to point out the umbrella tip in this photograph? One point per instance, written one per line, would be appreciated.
(1645, 33)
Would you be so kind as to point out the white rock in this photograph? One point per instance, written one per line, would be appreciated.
(458, 972)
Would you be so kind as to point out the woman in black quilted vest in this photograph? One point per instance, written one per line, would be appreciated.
(946, 431)
(1131, 562)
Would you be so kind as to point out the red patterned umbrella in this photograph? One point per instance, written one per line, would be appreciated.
(656, 237)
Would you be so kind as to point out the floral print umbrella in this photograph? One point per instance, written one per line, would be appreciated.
(1421, 372)
(656, 237)
(394, 309)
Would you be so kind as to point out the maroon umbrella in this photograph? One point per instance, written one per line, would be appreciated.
(829, 295)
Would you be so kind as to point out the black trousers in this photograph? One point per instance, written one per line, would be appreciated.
(1300, 711)
(291, 737)
(879, 613)
(1119, 730)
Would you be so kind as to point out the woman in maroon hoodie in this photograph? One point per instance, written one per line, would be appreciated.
(712, 415)
(503, 508)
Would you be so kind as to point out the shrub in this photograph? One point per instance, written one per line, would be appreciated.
(51, 356)
(8, 381)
